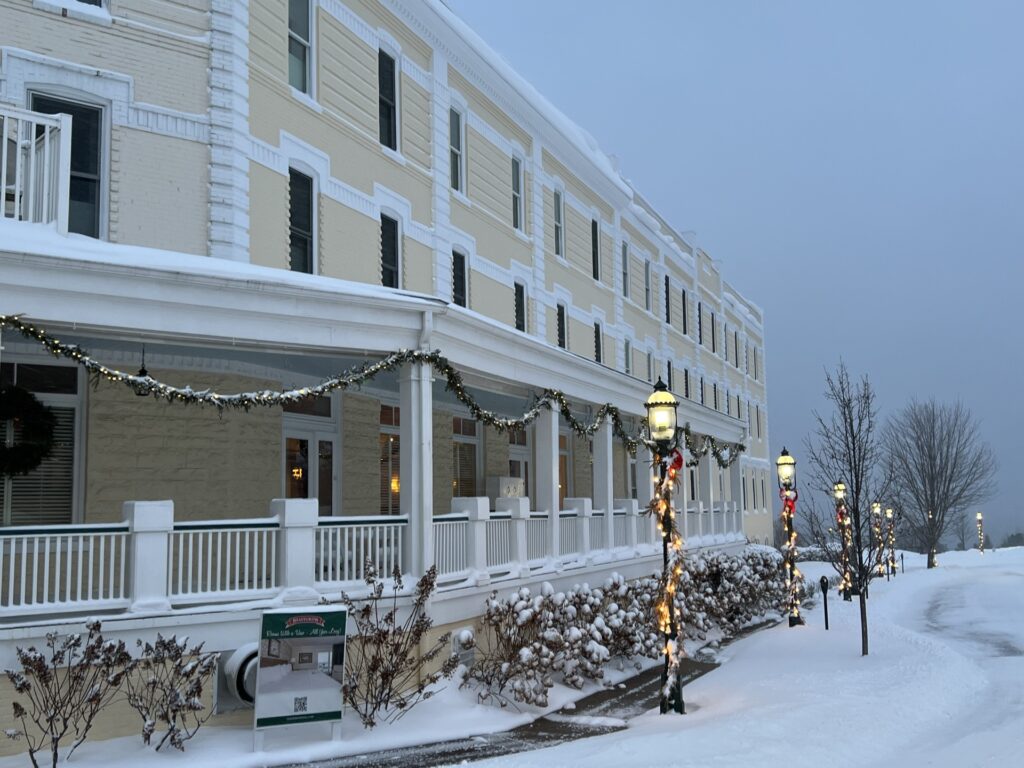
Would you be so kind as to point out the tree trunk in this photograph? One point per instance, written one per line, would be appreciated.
(931, 558)
(863, 623)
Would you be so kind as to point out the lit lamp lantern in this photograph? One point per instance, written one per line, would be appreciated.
(785, 465)
(661, 417)
(839, 491)
(981, 534)
(846, 584)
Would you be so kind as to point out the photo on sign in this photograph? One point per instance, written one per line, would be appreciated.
(301, 667)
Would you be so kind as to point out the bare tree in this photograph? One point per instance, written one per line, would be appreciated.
(846, 446)
(942, 468)
(961, 529)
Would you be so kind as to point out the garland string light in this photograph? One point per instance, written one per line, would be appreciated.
(879, 540)
(891, 536)
(794, 579)
(843, 520)
(724, 453)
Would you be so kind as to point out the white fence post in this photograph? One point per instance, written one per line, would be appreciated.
(297, 547)
(476, 508)
(150, 524)
(584, 509)
(519, 512)
(632, 512)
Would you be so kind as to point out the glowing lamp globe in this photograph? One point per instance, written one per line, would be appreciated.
(839, 491)
(888, 513)
(661, 415)
(876, 508)
(786, 467)
(979, 516)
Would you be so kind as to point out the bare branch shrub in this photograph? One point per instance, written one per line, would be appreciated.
(167, 687)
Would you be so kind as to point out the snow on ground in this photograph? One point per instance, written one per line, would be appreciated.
(943, 685)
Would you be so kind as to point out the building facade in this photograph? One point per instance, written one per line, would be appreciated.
(259, 195)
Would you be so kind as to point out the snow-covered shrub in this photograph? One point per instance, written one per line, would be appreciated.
(386, 670)
(626, 610)
(167, 688)
(519, 656)
(578, 617)
(64, 687)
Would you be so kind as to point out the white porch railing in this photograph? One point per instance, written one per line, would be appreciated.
(450, 534)
(538, 535)
(215, 562)
(66, 568)
(35, 166)
(620, 528)
(568, 534)
(500, 541)
(343, 545)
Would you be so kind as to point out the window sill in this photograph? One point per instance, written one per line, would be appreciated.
(393, 154)
(306, 99)
(461, 197)
(73, 9)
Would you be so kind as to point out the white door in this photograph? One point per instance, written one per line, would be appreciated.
(311, 467)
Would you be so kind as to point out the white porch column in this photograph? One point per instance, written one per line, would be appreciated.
(297, 546)
(519, 511)
(706, 493)
(477, 509)
(602, 474)
(150, 524)
(416, 464)
(546, 435)
(645, 477)
(736, 491)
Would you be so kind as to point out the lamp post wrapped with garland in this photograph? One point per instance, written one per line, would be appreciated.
(661, 427)
(891, 536)
(786, 468)
(878, 541)
(981, 534)
(843, 521)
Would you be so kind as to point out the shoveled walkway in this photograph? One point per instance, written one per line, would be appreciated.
(602, 712)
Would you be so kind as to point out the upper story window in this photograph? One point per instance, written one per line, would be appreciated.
(520, 307)
(700, 322)
(300, 222)
(598, 343)
(647, 285)
(459, 278)
(627, 350)
(298, 45)
(388, 89)
(668, 299)
(714, 335)
(389, 252)
(517, 193)
(559, 215)
(86, 161)
(625, 270)
(560, 325)
(668, 375)
(736, 348)
(650, 366)
(686, 383)
(686, 312)
(714, 394)
(455, 139)
(595, 249)
(702, 402)
(755, 364)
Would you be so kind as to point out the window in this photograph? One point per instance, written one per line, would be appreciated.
(458, 278)
(702, 390)
(714, 394)
(517, 193)
(86, 161)
(390, 460)
(300, 222)
(736, 348)
(560, 322)
(668, 375)
(595, 249)
(668, 300)
(389, 252)
(714, 335)
(700, 322)
(298, 45)
(564, 467)
(46, 495)
(627, 351)
(755, 364)
(686, 312)
(388, 91)
(686, 383)
(520, 307)
(647, 285)
(97, 3)
(559, 232)
(465, 442)
(625, 270)
(650, 367)
(757, 420)
(598, 343)
(458, 156)
(746, 358)
(725, 341)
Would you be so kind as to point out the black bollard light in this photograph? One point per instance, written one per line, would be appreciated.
(824, 597)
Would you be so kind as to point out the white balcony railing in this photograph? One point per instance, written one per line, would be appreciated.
(35, 167)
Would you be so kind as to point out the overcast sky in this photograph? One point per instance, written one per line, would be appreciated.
(857, 169)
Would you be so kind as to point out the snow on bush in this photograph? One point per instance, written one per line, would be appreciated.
(577, 632)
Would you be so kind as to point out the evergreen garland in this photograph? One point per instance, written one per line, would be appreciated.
(35, 423)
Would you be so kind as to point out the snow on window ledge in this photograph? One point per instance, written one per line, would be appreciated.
(96, 14)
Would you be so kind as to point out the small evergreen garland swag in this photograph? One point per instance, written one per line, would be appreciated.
(36, 423)
(724, 455)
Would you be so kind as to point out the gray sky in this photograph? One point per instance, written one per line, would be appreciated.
(856, 167)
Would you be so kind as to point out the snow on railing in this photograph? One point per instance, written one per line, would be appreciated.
(598, 531)
(35, 167)
(227, 560)
(450, 538)
(75, 567)
(344, 544)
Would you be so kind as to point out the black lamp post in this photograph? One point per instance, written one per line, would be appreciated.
(785, 465)
(890, 524)
(661, 428)
(843, 521)
(877, 540)
(981, 533)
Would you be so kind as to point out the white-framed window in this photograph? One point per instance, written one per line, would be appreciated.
(561, 323)
(390, 252)
(387, 86)
(598, 343)
(301, 240)
(519, 306)
(627, 354)
(559, 219)
(518, 183)
(299, 46)
(625, 269)
(714, 394)
(565, 480)
(686, 312)
(50, 494)
(457, 144)
(650, 366)
(668, 300)
(460, 279)
(714, 335)
(700, 322)
(702, 402)
(595, 248)
(465, 456)
(647, 285)
(686, 383)
(312, 467)
(390, 459)
(669, 376)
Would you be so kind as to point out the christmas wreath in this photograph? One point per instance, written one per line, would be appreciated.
(34, 422)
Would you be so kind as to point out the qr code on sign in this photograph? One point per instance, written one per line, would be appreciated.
(300, 703)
